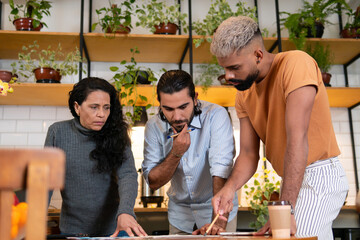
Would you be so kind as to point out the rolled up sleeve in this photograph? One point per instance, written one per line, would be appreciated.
(222, 145)
(153, 149)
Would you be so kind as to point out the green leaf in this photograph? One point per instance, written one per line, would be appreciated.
(143, 98)
(114, 68)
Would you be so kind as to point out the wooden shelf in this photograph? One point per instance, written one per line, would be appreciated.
(57, 95)
(11, 42)
(343, 49)
(202, 53)
(152, 47)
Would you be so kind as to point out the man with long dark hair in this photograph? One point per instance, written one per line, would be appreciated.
(197, 161)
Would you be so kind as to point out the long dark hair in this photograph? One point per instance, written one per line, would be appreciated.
(113, 138)
(174, 81)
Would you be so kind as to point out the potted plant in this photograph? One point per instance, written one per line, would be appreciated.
(352, 26)
(323, 56)
(115, 18)
(207, 74)
(161, 18)
(218, 12)
(47, 65)
(265, 188)
(126, 82)
(8, 76)
(310, 20)
(28, 17)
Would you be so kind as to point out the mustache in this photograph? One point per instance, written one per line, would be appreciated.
(179, 121)
(234, 80)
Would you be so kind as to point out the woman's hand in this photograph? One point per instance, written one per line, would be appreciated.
(127, 223)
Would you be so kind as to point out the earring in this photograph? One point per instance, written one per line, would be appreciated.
(258, 61)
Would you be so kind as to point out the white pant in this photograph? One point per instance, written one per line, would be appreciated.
(320, 199)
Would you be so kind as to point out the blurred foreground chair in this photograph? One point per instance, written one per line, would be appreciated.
(37, 171)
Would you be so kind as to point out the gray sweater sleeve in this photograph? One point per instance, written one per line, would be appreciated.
(128, 184)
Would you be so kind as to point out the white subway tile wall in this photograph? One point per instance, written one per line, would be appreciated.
(22, 127)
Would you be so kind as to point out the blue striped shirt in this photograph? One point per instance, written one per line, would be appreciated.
(211, 153)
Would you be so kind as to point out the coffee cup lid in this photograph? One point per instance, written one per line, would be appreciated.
(274, 203)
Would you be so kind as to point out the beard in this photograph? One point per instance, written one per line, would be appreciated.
(179, 128)
(243, 85)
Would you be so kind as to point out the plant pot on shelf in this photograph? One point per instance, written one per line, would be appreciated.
(121, 29)
(6, 76)
(142, 77)
(47, 75)
(350, 33)
(326, 79)
(26, 24)
(169, 28)
(319, 31)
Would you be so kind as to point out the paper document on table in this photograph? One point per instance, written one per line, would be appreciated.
(237, 233)
(175, 236)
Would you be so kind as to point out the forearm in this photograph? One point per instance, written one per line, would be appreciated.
(295, 160)
(162, 173)
(218, 183)
(244, 168)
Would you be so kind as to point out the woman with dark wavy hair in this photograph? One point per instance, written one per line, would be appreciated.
(101, 179)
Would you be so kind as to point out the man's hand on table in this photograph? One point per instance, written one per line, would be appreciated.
(128, 223)
(267, 228)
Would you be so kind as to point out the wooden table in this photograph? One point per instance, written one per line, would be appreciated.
(197, 237)
(188, 237)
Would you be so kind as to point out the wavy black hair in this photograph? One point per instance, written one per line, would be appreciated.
(113, 138)
(174, 81)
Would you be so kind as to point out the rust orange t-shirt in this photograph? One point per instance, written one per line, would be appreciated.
(265, 103)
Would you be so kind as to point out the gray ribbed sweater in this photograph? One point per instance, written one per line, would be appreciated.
(91, 201)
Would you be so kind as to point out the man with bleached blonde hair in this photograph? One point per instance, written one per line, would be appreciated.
(282, 101)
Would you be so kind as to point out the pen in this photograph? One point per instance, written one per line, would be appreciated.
(174, 135)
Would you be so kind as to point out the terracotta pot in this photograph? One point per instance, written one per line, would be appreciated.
(26, 24)
(319, 31)
(121, 30)
(326, 79)
(275, 196)
(47, 75)
(169, 28)
(350, 33)
(5, 76)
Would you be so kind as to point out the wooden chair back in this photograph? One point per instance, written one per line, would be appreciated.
(37, 171)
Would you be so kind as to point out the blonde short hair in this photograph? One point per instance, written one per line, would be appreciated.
(232, 35)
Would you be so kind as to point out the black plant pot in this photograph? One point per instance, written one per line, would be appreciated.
(143, 78)
(319, 31)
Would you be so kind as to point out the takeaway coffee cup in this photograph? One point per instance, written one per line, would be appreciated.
(280, 218)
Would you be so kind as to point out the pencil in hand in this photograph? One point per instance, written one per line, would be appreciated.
(176, 134)
(212, 224)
